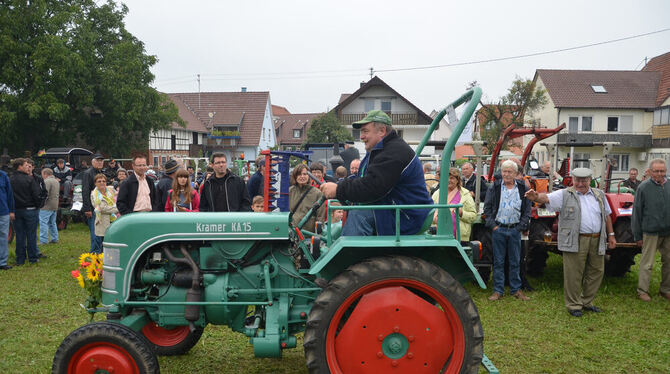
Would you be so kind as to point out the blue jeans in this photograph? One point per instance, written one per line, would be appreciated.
(359, 223)
(25, 226)
(4, 234)
(48, 226)
(506, 242)
(96, 241)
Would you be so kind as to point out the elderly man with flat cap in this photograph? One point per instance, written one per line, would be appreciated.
(390, 173)
(584, 232)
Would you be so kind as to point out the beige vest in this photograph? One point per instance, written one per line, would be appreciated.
(570, 218)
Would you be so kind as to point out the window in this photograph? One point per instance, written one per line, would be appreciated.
(386, 107)
(297, 133)
(195, 137)
(173, 142)
(598, 88)
(613, 124)
(626, 124)
(155, 160)
(573, 125)
(163, 160)
(581, 160)
(620, 162)
(369, 105)
(661, 116)
(356, 133)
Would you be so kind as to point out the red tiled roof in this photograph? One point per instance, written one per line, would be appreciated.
(625, 89)
(279, 110)
(228, 117)
(661, 64)
(192, 122)
(229, 106)
(294, 121)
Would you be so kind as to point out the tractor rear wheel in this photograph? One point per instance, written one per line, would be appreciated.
(171, 342)
(621, 259)
(104, 347)
(393, 312)
(536, 258)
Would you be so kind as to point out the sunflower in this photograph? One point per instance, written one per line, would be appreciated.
(92, 274)
(80, 279)
(85, 257)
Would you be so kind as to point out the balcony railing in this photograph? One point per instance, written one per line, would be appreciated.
(633, 140)
(396, 118)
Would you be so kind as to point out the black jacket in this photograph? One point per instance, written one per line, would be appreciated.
(26, 191)
(87, 185)
(125, 202)
(493, 202)
(472, 186)
(226, 194)
(162, 192)
(256, 185)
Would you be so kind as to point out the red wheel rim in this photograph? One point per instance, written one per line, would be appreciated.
(102, 356)
(360, 330)
(165, 337)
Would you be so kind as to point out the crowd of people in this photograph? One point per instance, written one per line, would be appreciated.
(389, 174)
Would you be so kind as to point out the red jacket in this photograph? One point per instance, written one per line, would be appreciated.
(195, 202)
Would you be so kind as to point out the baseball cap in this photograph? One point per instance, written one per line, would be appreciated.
(97, 156)
(373, 116)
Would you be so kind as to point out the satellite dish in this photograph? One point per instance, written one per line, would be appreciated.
(211, 115)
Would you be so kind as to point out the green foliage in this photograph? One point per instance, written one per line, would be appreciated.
(70, 73)
(517, 107)
(327, 129)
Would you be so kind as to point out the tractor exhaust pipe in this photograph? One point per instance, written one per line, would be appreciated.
(194, 294)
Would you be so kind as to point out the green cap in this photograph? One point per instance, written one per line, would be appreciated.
(373, 116)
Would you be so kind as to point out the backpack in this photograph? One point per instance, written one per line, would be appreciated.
(44, 194)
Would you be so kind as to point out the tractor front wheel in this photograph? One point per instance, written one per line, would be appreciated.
(106, 348)
(171, 342)
(393, 313)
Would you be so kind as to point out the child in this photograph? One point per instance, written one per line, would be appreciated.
(257, 204)
(182, 197)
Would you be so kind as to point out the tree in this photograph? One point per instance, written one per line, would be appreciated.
(327, 129)
(70, 73)
(517, 107)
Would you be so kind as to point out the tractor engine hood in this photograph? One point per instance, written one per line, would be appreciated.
(139, 230)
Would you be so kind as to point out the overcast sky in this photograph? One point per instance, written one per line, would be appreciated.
(307, 53)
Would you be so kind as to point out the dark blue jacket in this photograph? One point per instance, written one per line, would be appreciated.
(492, 203)
(390, 174)
(6, 195)
(255, 185)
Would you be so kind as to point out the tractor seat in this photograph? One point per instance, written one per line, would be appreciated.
(427, 222)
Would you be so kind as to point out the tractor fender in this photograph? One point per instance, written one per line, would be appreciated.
(446, 253)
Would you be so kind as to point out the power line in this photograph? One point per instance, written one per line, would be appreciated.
(524, 55)
(343, 73)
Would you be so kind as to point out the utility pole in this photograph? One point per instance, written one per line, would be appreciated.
(198, 91)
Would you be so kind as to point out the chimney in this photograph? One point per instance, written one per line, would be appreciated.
(244, 89)
(362, 84)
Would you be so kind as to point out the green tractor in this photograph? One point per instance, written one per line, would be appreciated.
(365, 304)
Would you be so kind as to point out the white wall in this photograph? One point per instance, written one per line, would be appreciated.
(378, 94)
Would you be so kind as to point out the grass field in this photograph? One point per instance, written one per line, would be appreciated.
(39, 306)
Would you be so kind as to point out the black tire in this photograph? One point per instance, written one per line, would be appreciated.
(110, 345)
(483, 234)
(171, 342)
(62, 220)
(536, 258)
(621, 259)
(343, 301)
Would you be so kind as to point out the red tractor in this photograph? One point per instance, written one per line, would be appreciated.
(544, 223)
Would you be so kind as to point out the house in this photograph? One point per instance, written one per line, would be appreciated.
(176, 142)
(660, 130)
(600, 106)
(291, 129)
(409, 121)
(235, 123)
